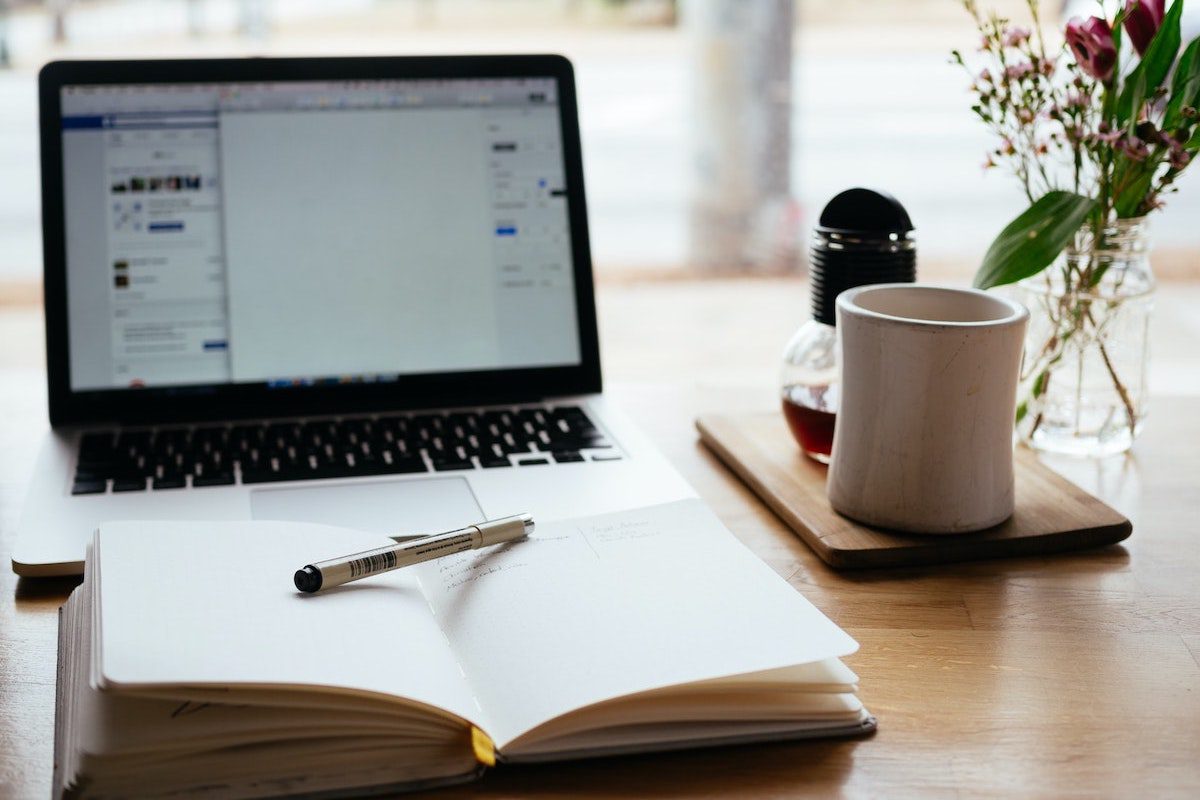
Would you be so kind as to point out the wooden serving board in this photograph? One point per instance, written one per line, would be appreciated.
(1053, 515)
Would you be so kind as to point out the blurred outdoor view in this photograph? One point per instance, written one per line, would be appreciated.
(689, 110)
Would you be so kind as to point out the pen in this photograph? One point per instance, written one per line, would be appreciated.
(336, 571)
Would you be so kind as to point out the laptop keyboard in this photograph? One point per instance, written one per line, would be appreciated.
(224, 455)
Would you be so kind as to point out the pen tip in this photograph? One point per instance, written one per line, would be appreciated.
(308, 579)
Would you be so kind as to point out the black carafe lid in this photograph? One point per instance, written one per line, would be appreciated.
(865, 211)
(864, 236)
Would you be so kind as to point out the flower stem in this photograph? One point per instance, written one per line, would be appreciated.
(1122, 392)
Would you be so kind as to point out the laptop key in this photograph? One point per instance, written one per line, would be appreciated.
(399, 464)
(529, 462)
(567, 456)
(88, 487)
(443, 465)
(98, 464)
(369, 465)
(268, 476)
(213, 479)
(129, 485)
(490, 463)
(128, 472)
(171, 482)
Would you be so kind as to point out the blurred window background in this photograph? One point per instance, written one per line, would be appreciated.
(713, 130)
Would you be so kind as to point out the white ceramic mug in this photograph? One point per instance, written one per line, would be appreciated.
(924, 434)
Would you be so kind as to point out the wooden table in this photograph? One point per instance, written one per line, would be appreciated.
(1072, 675)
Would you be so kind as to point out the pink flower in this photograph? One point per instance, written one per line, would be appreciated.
(1092, 44)
(1142, 20)
(1135, 148)
(1179, 157)
(1018, 71)
(1018, 36)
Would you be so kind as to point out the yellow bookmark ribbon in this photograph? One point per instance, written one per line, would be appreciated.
(485, 749)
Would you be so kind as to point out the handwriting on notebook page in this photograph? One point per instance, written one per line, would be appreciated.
(465, 568)
(621, 530)
(471, 571)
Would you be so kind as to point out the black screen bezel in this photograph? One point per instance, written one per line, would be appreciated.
(193, 403)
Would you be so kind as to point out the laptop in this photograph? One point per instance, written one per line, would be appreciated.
(346, 290)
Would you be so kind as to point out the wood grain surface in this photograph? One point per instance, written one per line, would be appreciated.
(1052, 514)
(1070, 676)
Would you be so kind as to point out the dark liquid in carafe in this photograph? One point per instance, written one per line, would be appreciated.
(812, 427)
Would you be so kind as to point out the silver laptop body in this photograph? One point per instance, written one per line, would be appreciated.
(355, 291)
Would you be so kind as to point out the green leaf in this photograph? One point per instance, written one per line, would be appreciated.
(1185, 86)
(1127, 202)
(1031, 241)
(1136, 99)
(1148, 75)
(1131, 181)
(1194, 142)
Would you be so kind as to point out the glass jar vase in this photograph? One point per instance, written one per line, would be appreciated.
(1083, 378)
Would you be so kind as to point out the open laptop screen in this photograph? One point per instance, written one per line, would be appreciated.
(309, 233)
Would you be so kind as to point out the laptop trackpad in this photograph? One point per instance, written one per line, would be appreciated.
(388, 507)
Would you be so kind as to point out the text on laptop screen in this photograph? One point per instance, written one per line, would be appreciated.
(295, 233)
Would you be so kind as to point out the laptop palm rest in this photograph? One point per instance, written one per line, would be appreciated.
(388, 507)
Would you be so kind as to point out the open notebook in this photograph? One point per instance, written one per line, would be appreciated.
(189, 662)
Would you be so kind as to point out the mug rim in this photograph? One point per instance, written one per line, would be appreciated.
(1017, 313)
